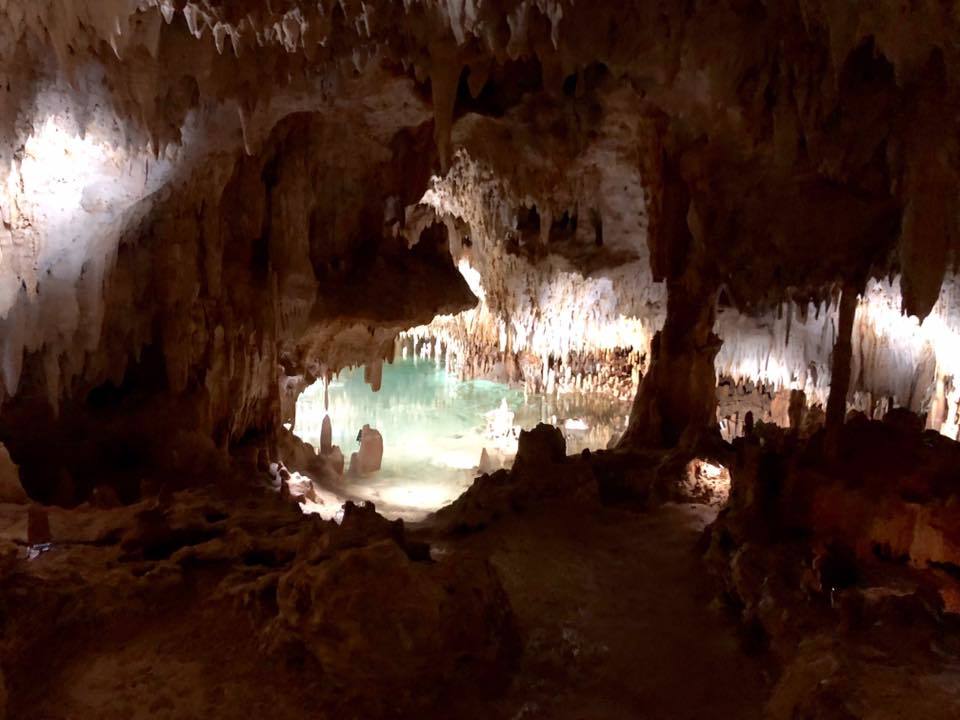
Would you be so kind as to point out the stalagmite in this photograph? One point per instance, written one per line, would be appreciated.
(336, 460)
(486, 465)
(353, 470)
(370, 456)
(797, 405)
(840, 385)
(326, 436)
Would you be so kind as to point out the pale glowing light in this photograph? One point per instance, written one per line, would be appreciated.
(501, 429)
(59, 164)
(472, 278)
(712, 471)
(791, 351)
(35, 551)
(63, 171)
(575, 424)
(60, 178)
(317, 500)
(707, 481)
(435, 428)
(421, 496)
(458, 460)
(904, 342)
(64, 202)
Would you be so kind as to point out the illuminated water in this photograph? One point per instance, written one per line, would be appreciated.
(435, 427)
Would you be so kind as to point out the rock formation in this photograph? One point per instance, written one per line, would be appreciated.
(11, 491)
(741, 216)
(370, 455)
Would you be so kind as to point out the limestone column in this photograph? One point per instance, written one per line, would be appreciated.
(840, 371)
(677, 397)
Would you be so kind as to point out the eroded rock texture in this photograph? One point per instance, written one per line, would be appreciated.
(254, 274)
(229, 607)
(736, 214)
(843, 559)
(822, 138)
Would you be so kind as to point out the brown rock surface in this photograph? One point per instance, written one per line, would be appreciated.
(207, 206)
(11, 491)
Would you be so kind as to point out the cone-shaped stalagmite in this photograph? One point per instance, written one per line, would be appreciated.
(326, 436)
(840, 378)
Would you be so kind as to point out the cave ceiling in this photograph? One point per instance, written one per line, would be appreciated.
(260, 189)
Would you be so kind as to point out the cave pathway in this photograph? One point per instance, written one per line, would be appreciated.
(615, 615)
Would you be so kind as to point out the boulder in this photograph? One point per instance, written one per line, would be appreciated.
(827, 681)
(395, 630)
(904, 420)
(489, 498)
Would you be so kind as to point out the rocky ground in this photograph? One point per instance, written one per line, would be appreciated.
(608, 618)
(602, 599)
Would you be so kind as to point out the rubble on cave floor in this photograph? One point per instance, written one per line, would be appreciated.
(567, 587)
(197, 603)
(202, 605)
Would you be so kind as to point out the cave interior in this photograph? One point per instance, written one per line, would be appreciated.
(520, 359)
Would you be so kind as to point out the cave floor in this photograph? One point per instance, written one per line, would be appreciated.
(616, 619)
(613, 611)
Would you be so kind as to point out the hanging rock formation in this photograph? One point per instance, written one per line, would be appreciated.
(736, 214)
(553, 131)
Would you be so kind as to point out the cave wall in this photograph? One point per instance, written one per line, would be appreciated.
(550, 229)
(813, 141)
(246, 279)
(897, 360)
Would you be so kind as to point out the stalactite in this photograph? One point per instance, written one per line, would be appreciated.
(373, 374)
(930, 186)
(894, 355)
(444, 77)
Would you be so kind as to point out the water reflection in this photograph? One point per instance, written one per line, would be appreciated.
(435, 428)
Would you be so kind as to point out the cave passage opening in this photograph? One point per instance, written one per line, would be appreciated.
(439, 430)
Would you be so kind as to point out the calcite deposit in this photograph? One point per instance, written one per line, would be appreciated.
(740, 217)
